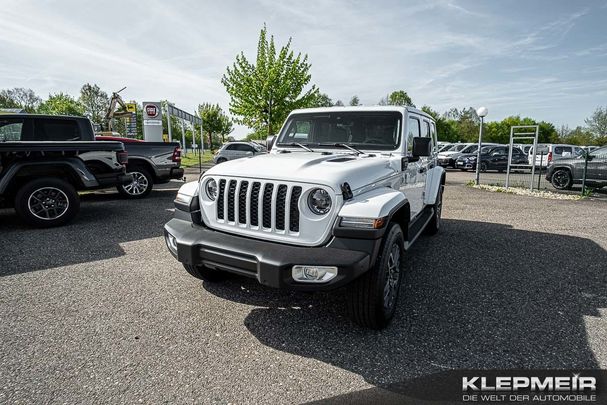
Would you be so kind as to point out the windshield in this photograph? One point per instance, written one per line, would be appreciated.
(363, 130)
(470, 149)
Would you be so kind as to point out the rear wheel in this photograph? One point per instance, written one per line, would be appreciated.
(372, 298)
(434, 225)
(484, 167)
(141, 185)
(221, 160)
(47, 202)
(205, 273)
(561, 179)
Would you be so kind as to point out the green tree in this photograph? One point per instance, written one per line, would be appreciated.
(215, 122)
(61, 104)
(597, 122)
(339, 103)
(263, 94)
(400, 97)
(323, 100)
(95, 102)
(20, 97)
(354, 101)
(445, 129)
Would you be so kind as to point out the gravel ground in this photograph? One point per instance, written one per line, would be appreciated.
(99, 311)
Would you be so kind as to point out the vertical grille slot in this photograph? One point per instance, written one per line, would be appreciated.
(294, 209)
(242, 202)
(231, 192)
(267, 205)
(280, 207)
(220, 198)
(253, 209)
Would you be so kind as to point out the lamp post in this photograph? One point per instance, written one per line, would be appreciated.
(482, 113)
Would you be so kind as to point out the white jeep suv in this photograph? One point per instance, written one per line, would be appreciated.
(338, 201)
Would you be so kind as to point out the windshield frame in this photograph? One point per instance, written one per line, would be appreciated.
(282, 142)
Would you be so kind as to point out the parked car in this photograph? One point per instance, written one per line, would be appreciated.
(45, 161)
(566, 172)
(445, 147)
(524, 147)
(448, 158)
(150, 163)
(444, 156)
(590, 148)
(548, 152)
(237, 150)
(336, 208)
(492, 158)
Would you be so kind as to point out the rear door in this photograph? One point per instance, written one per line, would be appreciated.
(597, 167)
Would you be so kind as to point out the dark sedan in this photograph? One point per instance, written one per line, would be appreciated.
(564, 173)
(492, 158)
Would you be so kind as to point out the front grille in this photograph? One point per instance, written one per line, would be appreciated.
(267, 205)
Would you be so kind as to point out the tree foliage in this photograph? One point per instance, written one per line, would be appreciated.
(95, 102)
(400, 97)
(323, 100)
(354, 101)
(597, 122)
(20, 97)
(263, 94)
(215, 122)
(61, 104)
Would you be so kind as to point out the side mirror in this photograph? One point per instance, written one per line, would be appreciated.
(422, 147)
(270, 142)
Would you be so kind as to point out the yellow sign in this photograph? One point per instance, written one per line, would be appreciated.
(165, 137)
(131, 107)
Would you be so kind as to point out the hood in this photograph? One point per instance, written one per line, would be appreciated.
(311, 167)
(467, 155)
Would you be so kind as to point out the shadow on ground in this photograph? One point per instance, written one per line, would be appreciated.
(478, 295)
(104, 222)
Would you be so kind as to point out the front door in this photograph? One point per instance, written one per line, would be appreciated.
(414, 182)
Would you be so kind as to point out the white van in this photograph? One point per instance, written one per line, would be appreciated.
(548, 152)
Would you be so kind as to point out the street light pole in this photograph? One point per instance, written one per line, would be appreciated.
(482, 113)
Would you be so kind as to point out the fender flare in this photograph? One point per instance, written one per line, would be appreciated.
(436, 178)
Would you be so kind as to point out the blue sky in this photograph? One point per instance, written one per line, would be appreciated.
(543, 59)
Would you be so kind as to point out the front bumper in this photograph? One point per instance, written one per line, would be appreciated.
(271, 263)
(462, 164)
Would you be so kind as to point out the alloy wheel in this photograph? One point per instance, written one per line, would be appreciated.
(48, 203)
(139, 184)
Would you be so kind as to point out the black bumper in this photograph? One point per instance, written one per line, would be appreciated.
(271, 263)
(177, 173)
(110, 180)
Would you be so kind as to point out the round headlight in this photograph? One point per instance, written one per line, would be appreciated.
(211, 189)
(319, 201)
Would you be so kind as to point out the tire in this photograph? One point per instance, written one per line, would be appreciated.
(484, 167)
(47, 202)
(372, 298)
(435, 222)
(221, 160)
(140, 187)
(204, 273)
(561, 179)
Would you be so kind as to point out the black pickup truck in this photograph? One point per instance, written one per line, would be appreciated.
(45, 160)
(149, 162)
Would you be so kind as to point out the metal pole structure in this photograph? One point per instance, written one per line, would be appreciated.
(586, 156)
(509, 158)
(184, 146)
(539, 178)
(534, 155)
(478, 152)
(201, 150)
(169, 122)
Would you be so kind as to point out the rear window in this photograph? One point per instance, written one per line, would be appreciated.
(56, 130)
(10, 130)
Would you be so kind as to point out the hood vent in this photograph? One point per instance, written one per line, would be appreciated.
(341, 159)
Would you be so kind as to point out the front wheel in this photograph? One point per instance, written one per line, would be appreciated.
(484, 167)
(47, 202)
(561, 179)
(141, 185)
(372, 298)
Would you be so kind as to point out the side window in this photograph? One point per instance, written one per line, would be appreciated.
(414, 130)
(246, 148)
(56, 130)
(433, 133)
(10, 130)
(426, 132)
(230, 147)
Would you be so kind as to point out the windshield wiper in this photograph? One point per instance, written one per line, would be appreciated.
(344, 145)
(296, 144)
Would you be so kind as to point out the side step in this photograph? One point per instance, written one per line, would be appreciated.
(418, 224)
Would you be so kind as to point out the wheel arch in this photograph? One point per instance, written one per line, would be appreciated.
(140, 162)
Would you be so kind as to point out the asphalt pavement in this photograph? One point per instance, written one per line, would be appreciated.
(99, 312)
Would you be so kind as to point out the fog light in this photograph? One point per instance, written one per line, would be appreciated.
(313, 274)
(171, 243)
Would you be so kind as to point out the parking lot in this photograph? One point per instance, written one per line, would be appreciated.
(99, 311)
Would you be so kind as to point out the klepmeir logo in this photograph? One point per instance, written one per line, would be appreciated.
(574, 388)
